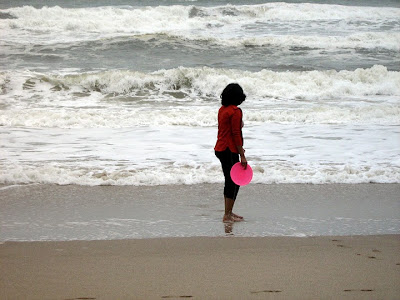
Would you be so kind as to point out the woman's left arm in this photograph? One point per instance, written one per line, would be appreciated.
(237, 135)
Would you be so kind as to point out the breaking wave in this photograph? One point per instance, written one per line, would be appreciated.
(205, 23)
(189, 174)
(189, 97)
(208, 82)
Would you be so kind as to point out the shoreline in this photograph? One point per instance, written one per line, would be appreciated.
(351, 267)
(72, 212)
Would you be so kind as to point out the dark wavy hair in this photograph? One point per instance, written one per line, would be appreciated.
(232, 95)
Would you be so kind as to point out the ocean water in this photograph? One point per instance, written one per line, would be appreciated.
(127, 92)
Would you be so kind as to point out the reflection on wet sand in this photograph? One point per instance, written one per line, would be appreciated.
(229, 228)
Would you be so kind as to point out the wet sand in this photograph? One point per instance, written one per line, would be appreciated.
(352, 267)
(71, 212)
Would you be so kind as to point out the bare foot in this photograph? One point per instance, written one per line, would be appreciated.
(232, 218)
(237, 219)
(237, 216)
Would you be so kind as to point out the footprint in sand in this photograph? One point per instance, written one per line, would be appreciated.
(362, 290)
(82, 298)
(370, 257)
(266, 291)
(167, 297)
(340, 245)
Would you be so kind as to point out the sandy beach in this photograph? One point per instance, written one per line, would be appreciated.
(358, 267)
(224, 264)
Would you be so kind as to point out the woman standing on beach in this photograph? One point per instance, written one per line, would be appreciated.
(230, 143)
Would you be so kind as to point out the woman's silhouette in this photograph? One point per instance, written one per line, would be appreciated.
(229, 144)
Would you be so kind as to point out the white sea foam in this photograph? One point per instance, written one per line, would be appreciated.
(204, 82)
(358, 40)
(278, 153)
(365, 40)
(166, 176)
(154, 18)
(60, 25)
(189, 97)
(197, 116)
(187, 174)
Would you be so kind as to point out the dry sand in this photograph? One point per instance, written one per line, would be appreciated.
(358, 267)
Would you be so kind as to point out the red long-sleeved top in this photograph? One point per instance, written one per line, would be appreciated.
(229, 128)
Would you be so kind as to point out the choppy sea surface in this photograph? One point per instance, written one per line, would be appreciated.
(127, 92)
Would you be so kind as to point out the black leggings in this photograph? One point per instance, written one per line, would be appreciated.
(228, 159)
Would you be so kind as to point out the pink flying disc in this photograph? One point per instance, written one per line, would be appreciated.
(240, 176)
